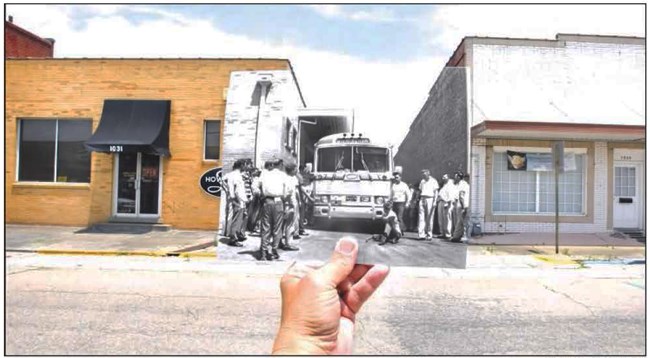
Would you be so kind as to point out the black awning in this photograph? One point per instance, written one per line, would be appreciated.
(132, 126)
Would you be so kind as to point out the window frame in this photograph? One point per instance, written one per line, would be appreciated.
(19, 130)
(205, 140)
(577, 151)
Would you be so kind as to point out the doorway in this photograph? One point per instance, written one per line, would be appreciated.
(137, 187)
(628, 195)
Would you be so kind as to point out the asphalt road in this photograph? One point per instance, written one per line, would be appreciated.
(318, 246)
(156, 306)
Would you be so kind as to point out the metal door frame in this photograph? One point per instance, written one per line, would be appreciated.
(138, 179)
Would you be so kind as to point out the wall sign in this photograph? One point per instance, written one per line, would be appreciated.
(211, 182)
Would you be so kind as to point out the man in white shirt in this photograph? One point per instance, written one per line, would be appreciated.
(462, 208)
(400, 195)
(428, 196)
(291, 208)
(272, 185)
(446, 201)
(237, 199)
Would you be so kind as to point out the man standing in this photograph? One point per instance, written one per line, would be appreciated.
(446, 198)
(272, 185)
(236, 205)
(400, 195)
(291, 209)
(428, 197)
(306, 198)
(462, 208)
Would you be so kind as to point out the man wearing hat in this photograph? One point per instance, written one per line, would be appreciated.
(446, 201)
(272, 185)
(400, 195)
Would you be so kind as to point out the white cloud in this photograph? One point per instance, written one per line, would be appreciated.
(450, 23)
(378, 14)
(386, 96)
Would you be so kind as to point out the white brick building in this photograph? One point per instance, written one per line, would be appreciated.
(587, 91)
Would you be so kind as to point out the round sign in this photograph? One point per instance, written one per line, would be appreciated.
(211, 182)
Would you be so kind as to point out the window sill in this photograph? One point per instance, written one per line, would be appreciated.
(45, 185)
(211, 161)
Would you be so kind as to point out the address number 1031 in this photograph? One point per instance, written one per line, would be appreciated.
(115, 148)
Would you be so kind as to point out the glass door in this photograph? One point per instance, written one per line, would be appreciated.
(137, 192)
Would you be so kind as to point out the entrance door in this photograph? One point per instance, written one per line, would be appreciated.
(137, 186)
(627, 196)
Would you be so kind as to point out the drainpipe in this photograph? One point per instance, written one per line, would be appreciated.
(265, 83)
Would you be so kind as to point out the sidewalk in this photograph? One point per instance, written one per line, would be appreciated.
(610, 239)
(597, 245)
(77, 240)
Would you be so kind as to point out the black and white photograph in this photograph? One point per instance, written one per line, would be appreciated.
(325, 179)
(295, 181)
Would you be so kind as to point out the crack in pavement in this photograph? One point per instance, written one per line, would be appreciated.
(570, 299)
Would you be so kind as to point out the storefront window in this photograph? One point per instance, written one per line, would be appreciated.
(212, 140)
(533, 192)
(52, 151)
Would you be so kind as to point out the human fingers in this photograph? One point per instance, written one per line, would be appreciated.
(357, 273)
(367, 285)
(340, 264)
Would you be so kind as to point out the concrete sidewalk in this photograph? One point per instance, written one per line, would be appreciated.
(608, 239)
(78, 240)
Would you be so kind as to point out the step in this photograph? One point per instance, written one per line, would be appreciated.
(128, 228)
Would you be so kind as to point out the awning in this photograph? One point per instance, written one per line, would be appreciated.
(132, 126)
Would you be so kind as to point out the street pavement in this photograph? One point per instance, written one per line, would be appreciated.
(318, 246)
(142, 305)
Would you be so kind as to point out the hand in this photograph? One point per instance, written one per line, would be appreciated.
(319, 307)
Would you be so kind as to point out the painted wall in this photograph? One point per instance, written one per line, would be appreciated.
(76, 88)
(243, 133)
(573, 82)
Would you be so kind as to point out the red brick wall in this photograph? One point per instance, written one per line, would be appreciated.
(21, 43)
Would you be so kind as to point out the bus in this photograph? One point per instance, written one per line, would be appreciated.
(351, 181)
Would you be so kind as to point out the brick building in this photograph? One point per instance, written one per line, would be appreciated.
(22, 43)
(522, 95)
(153, 127)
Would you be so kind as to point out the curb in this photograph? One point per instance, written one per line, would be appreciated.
(116, 253)
(99, 252)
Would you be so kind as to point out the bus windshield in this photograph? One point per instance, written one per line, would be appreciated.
(370, 159)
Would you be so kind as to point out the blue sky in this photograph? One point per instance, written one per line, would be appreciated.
(378, 32)
(380, 60)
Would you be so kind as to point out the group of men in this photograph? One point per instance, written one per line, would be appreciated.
(273, 201)
(450, 202)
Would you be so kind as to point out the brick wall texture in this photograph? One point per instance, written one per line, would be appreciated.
(437, 139)
(76, 88)
(21, 43)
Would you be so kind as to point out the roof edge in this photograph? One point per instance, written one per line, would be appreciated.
(30, 34)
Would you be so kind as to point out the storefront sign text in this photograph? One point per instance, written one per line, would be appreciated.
(211, 182)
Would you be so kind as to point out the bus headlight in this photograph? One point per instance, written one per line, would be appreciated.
(379, 200)
(324, 199)
(365, 199)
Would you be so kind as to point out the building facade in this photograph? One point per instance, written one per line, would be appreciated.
(124, 140)
(521, 97)
(22, 43)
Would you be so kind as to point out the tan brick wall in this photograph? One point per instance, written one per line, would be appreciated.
(76, 88)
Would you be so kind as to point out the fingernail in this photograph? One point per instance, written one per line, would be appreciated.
(346, 246)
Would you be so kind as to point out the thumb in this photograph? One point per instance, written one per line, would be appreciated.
(341, 263)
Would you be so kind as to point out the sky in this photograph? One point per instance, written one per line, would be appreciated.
(380, 60)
